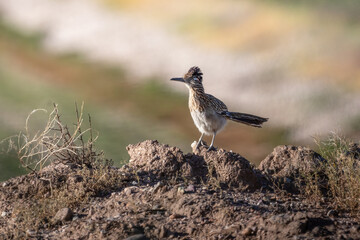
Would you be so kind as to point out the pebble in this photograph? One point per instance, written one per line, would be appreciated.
(128, 191)
(137, 237)
(156, 207)
(4, 184)
(173, 216)
(190, 189)
(64, 214)
(181, 190)
(30, 232)
(4, 214)
(193, 144)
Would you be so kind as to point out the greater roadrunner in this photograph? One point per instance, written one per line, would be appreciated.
(208, 112)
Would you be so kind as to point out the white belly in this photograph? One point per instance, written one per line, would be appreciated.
(209, 122)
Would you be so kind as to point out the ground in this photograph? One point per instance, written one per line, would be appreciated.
(163, 193)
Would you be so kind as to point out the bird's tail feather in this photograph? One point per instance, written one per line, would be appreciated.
(245, 118)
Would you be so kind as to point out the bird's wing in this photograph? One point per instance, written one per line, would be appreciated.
(216, 104)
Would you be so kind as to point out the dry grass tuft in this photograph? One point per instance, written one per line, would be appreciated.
(338, 177)
(89, 173)
(55, 143)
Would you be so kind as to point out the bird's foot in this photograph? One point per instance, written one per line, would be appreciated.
(211, 148)
(199, 144)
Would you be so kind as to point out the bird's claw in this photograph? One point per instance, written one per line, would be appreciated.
(210, 149)
(200, 143)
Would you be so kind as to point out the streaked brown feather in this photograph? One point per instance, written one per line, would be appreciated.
(216, 104)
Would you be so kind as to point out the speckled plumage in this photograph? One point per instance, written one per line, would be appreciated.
(209, 113)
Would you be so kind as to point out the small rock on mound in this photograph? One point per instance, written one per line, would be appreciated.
(287, 161)
(153, 157)
(230, 169)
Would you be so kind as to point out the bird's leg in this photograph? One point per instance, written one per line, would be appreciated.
(200, 141)
(212, 143)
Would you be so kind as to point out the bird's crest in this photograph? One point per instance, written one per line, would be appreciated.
(194, 72)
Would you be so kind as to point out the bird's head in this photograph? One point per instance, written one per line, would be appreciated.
(192, 79)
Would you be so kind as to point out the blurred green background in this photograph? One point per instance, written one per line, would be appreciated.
(296, 62)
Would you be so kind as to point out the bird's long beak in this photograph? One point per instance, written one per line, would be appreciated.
(178, 79)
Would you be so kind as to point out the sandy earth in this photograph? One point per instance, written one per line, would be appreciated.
(254, 83)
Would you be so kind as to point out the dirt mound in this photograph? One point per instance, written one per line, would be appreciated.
(221, 167)
(288, 163)
(155, 158)
(164, 194)
(230, 169)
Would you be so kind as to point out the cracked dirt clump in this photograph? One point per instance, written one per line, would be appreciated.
(288, 161)
(230, 169)
(155, 158)
(287, 164)
(222, 168)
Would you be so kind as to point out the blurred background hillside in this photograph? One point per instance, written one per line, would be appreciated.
(296, 62)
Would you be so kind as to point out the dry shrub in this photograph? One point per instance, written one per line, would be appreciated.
(339, 175)
(311, 184)
(91, 176)
(56, 142)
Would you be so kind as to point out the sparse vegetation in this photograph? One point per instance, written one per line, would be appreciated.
(338, 177)
(92, 175)
(54, 143)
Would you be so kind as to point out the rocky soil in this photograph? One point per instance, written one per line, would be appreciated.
(165, 194)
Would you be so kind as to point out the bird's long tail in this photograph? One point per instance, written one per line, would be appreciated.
(245, 118)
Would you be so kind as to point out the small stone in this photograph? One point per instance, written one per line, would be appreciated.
(134, 183)
(128, 191)
(30, 232)
(64, 214)
(156, 207)
(4, 214)
(137, 237)
(181, 190)
(193, 145)
(190, 189)
(173, 216)
(4, 184)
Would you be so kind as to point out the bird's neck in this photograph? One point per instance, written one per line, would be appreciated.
(197, 90)
(196, 98)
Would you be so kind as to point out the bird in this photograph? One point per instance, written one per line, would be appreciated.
(208, 112)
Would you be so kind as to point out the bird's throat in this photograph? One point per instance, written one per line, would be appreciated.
(197, 99)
